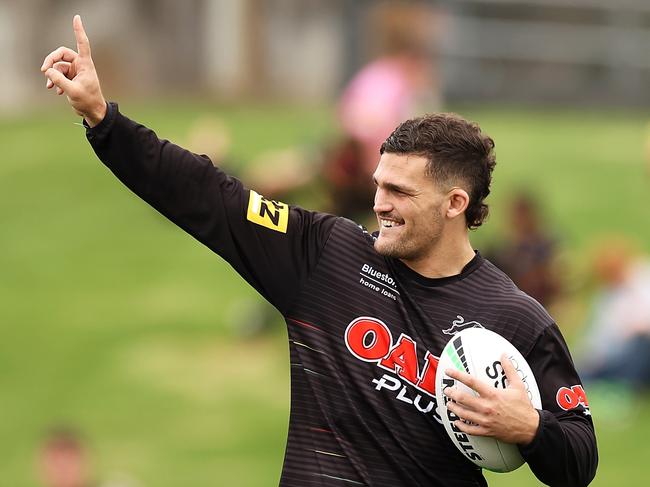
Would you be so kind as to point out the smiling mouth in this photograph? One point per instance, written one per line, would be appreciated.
(383, 223)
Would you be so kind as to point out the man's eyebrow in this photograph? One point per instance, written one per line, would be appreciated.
(395, 187)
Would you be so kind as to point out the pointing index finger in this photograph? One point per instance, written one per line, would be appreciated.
(83, 45)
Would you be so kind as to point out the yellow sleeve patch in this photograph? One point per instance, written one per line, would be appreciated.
(268, 213)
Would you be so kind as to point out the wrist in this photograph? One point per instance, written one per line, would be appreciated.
(532, 427)
(95, 116)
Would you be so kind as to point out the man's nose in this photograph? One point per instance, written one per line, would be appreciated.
(382, 202)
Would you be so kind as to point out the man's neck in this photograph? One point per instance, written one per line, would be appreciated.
(444, 259)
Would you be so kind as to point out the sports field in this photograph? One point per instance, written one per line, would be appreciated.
(113, 320)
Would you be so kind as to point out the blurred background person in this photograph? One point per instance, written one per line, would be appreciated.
(616, 346)
(529, 252)
(63, 459)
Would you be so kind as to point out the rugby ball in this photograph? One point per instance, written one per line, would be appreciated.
(477, 351)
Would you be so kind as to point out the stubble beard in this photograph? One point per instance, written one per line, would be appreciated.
(390, 249)
(400, 249)
(410, 247)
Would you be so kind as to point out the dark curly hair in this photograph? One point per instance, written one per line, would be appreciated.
(457, 152)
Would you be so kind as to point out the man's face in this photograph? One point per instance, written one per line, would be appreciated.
(409, 207)
(63, 466)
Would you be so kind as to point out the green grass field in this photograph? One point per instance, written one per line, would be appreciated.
(115, 321)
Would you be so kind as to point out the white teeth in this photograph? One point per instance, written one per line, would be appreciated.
(389, 223)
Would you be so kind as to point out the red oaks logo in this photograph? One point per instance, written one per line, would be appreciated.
(571, 397)
(370, 340)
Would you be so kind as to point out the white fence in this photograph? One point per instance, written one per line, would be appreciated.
(584, 51)
(548, 50)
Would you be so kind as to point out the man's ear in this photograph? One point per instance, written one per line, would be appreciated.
(458, 201)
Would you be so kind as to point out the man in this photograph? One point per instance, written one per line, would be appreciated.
(367, 314)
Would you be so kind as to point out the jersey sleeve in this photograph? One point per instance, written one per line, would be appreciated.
(564, 451)
(270, 244)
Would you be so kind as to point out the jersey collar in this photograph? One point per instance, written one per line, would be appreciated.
(405, 272)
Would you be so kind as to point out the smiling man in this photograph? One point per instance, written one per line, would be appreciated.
(367, 315)
(432, 177)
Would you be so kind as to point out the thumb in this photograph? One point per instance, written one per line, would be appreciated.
(59, 80)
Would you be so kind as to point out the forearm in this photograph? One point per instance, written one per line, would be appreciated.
(214, 207)
(183, 186)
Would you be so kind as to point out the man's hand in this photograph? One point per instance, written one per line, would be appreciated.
(73, 74)
(505, 414)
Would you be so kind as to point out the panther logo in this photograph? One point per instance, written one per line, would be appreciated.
(460, 324)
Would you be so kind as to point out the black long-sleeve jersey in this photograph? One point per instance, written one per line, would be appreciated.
(365, 331)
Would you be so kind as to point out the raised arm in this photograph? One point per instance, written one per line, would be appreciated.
(272, 246)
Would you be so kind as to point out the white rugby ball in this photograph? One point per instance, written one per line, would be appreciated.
(477, 351)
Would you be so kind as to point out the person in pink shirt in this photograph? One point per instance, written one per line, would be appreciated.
(383, 93)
